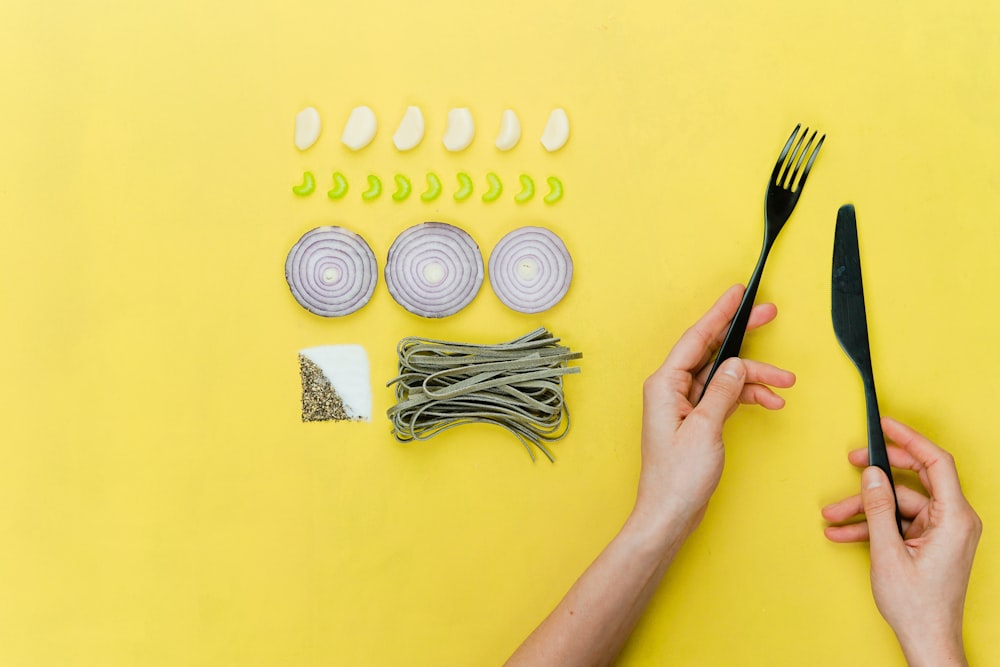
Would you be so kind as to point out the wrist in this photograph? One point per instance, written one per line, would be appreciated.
(663, 532)
(933, 649)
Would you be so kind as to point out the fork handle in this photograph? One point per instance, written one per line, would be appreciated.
(738, 327)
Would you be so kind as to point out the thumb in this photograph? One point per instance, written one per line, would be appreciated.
(880, 511)
(723, 391)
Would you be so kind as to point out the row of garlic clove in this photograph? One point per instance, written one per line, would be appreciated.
(361, 127)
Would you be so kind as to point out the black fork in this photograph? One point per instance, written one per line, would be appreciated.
(783, 190)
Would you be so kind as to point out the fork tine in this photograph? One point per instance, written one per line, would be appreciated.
(801, 159)
(809, 163)
(784, 153)
(792, 157)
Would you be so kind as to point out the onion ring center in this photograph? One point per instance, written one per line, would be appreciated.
(434, 272)
(527, 269)
(331, 275)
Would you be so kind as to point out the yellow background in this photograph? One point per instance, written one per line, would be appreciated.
(162, 504)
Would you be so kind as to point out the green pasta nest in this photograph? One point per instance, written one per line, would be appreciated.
(517, 385)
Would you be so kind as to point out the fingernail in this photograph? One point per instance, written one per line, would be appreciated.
(870, 478)
(730, 371)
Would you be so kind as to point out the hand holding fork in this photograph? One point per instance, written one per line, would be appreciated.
(783, 190)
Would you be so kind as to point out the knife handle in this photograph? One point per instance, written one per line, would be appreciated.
(877, 454)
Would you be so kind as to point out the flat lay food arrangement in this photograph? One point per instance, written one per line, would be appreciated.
(327, 328)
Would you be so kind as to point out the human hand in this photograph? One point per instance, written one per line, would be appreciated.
(682, 458)
(919, 582)
(682, 449)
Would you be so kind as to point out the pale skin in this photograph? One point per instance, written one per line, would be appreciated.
(919, 583)
(682, 460)
(915, 583)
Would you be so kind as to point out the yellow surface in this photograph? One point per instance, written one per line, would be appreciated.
(162, 504)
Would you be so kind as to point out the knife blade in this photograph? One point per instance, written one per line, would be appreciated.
(850, 324)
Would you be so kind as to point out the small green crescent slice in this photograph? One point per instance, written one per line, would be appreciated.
(433, 187)
(555, 190)
(403, 188)
(307, 186)
(496, 188)
(339, 186)
(374, 188)
(465, 187)
(527, 189)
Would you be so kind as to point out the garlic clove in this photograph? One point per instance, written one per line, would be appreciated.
(510, 130)
(410, 131)
(307, 128)
(460, 131)
(360, 128)
(556, 132)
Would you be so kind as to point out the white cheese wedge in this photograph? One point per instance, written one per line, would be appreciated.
(460, 131)
(307, 127)
(347, 369)
(360, 128)
(510, 130)
(410, 131)
(556, 130)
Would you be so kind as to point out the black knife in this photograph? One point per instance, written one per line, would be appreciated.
(851, 326)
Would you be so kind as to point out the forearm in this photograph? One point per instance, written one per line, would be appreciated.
(591, 624)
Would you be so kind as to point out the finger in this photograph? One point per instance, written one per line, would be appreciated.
(911, 503)
(672, 382)
(721, 397)
(855, 532)
(760, 315)
(758, 372)
(697, 342)
(941, 474)
(758, 394)
(898, 458)
(880, 512)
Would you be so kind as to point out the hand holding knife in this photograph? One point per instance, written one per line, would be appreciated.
(850, 325)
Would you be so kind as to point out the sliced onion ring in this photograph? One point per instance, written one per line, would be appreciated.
(434, 269)
(530, 269)
(331, 271)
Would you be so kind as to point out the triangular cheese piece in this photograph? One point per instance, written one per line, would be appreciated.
(336, 383)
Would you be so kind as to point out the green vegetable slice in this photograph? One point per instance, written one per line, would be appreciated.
(495, 188)
(464, 187)
(307, 186)
(433, 187)
(555, 190)
(527, 189)
(374, 188)
(402, 188)
(339, 186)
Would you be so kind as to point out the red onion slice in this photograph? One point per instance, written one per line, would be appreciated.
(530, 269)
(434, 269)
(331, 271)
